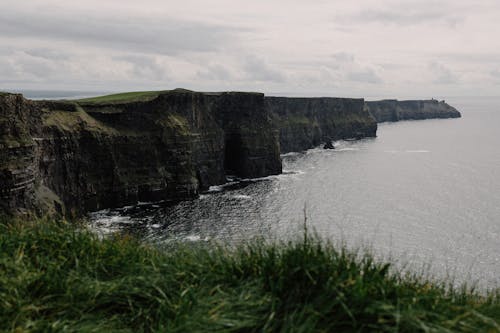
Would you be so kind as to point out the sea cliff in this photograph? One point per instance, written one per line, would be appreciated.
(394, 110)
(71, 157)
(305, 123)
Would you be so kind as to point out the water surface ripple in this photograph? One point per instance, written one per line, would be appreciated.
(422, 192)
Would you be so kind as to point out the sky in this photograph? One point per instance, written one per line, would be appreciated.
(285, 47)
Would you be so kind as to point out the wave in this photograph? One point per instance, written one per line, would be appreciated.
(241, 197)
(347, 149)
(293, 153)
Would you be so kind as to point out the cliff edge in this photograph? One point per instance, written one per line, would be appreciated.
(305, 123)
(394, 110)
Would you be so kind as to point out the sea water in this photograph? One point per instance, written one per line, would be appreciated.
(425, 194)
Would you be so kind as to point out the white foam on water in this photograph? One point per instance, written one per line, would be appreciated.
(290, 154)
(192, 238)
(195, 238)
(292, 172)
(417, 151)
(242, 197)
(215, 188)
(347, 149)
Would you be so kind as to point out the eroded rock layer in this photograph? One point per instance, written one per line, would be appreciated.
(307, 122)
(72, 157)
(394, 110)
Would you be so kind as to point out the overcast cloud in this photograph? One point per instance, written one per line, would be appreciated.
(292, 47)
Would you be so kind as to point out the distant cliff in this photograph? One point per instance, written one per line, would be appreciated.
(394, 110)
(305, 123)
(72, 157)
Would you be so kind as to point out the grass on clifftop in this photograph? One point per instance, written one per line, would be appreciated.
(136, 96)
(54, 278)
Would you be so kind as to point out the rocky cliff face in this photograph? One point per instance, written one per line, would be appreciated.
(394, 110)
(19, 121)
(69, 157)
(304, 123)
(73, 157)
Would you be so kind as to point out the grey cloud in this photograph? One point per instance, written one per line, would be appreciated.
(49, 54)
(406, 14)
(215, 72)
(495, 75)
(442, 74)
(25, 66)
(343, 57)
(366, 75)
(257, 69)
(400, 17)
(491, 58)
(166, 36)
(145, 67)
(345, 65)
(7, 69)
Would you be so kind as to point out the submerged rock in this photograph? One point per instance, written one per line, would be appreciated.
(329, 145)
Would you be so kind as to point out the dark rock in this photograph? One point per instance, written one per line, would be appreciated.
(306, 122)
(72, 157)
(394, 110)
(329, 145)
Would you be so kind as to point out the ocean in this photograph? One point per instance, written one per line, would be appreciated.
(423, 194)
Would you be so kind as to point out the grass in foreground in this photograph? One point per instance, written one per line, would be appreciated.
(55, 278)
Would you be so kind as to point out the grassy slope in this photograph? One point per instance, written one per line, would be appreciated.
(136, 96)
(53, 278)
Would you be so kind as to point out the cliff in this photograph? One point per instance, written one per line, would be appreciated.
(394, 110)
(70, 157)
(75, 156)
(305, 123)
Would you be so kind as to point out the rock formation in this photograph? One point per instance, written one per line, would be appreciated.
(73, 157)
(70, 157)
(394, 110)
(307, 122)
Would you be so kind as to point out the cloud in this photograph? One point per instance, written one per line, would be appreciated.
(348, 68)
(495, 75)
(257, 69)
(134, 33)
(408, 13)
(442, 74)
(47, 53)
(366, 75)
(382, 47)
(408, 17)
(145, 66)
(215, 72)
(343, 57)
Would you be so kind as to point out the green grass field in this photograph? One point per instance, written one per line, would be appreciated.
(136, 96)
(56, 278)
